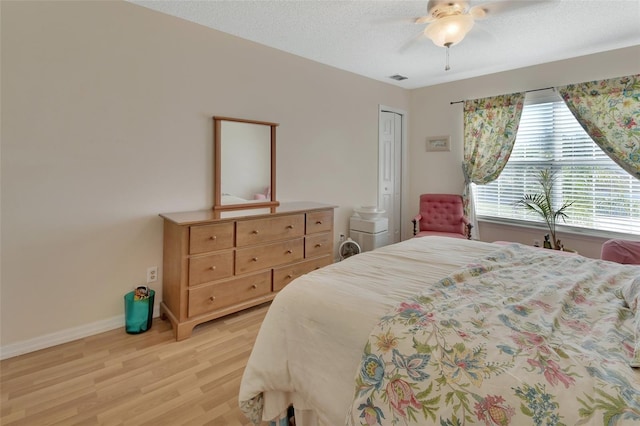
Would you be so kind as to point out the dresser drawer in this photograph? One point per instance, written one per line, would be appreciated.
(206, 238)
(211, 267)
(259, 231)
(320, 221)
(268, 255)
(219, 295)
(317, 245)
(285, 274)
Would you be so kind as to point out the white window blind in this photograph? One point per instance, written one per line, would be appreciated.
(604, 196)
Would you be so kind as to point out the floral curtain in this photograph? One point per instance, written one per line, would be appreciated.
(609, 111)
(490, 127)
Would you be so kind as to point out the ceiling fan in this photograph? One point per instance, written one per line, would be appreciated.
(449, 21)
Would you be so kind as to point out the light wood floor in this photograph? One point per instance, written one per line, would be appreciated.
(147, 379)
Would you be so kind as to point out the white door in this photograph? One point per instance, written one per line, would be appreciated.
(390, 171)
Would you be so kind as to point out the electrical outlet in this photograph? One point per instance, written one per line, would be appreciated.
(342, 237)
(152, 274)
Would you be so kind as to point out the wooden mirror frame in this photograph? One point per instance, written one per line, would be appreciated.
(217, 140)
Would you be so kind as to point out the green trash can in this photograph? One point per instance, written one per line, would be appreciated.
(138, 311)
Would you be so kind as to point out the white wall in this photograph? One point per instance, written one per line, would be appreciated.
(433, 115)
(106, 122)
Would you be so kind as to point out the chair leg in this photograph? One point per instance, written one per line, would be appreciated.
(415, 231)
(469, 226)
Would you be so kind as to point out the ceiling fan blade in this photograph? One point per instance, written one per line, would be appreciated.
(480, 33)
(393, 21)
(478, 13)
(501, 7)
(423, 20)
(413, 41)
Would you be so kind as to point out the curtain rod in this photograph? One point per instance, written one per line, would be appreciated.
(526, 91)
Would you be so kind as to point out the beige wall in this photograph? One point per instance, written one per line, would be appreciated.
(106, 122)
(432, 115)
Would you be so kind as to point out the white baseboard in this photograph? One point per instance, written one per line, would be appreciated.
(64, 336)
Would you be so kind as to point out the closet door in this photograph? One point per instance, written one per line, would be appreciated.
(390, 171)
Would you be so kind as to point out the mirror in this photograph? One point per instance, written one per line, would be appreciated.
(245, 153)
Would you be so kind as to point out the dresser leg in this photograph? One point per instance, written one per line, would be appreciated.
(181, 331)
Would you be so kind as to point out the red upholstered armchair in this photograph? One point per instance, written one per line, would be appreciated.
(621, 251)
(441, 214)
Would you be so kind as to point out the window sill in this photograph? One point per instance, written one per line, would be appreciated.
(564, 229)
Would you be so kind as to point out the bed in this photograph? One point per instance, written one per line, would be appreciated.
(437, 330)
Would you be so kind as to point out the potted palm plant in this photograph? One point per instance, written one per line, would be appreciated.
(542, 204)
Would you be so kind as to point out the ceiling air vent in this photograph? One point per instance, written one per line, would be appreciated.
(398, 77)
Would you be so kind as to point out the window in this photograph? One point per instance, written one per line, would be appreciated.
(604, 196)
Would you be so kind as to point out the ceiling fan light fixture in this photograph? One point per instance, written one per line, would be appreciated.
(449, 30)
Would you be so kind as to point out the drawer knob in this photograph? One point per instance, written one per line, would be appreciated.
(289, 251)
(254, 286)
(255, 259)
(254, 232)
(318, 222)
(319, 245)
(289, 276)
(213, 238)
(211, 298)
(289, 226)
(213, 268)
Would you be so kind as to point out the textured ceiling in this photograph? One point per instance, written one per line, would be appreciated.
(378, 39)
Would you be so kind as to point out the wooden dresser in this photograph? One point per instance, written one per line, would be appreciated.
(219, 262)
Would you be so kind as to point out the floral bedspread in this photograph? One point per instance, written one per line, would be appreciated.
(523, 337)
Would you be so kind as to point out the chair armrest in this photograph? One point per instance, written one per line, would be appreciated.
(465, 220)
(418, 218)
